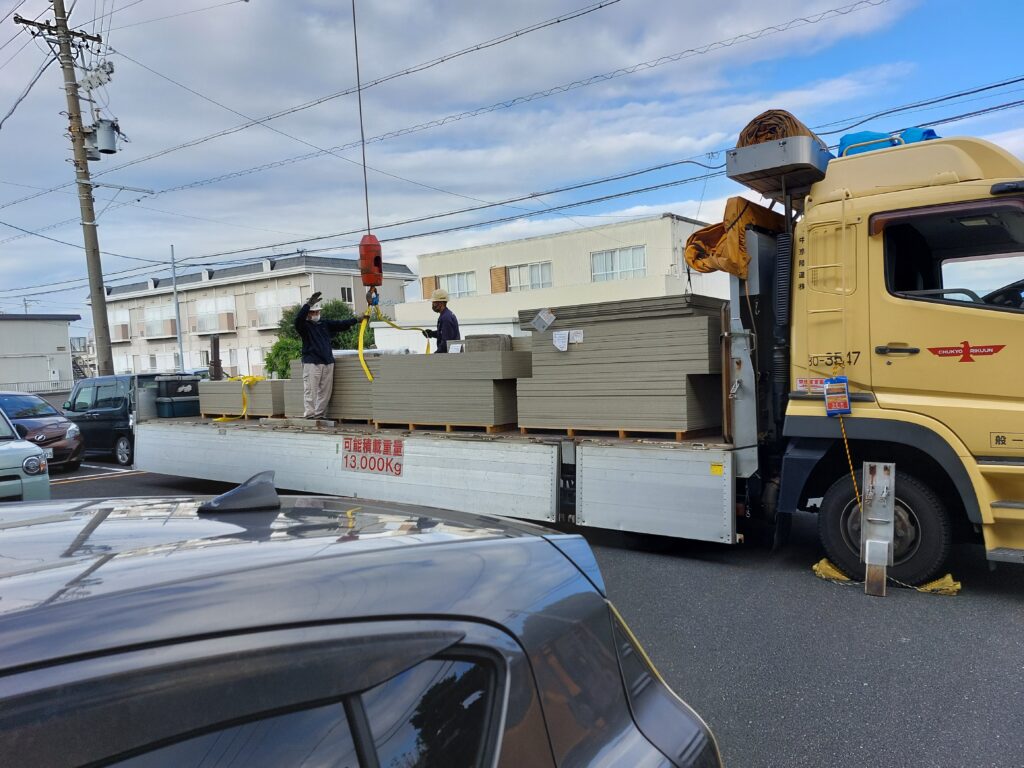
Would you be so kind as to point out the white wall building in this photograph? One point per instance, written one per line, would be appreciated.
(242, 305)
(35, 352)
(490, 284)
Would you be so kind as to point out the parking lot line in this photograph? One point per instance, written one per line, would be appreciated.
(122, 473)
(106, 469)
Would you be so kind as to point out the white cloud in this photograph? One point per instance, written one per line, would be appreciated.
(260, 57)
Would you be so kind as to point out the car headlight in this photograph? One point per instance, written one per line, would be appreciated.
(73, 432)
(34, 465)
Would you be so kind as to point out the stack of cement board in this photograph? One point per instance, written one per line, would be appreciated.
(491, 342)
(648, 365)
(352, 395)
(475, 389)
(224, 398)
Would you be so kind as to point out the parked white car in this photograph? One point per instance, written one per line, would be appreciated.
(24, 474)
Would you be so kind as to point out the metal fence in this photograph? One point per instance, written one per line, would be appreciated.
(38, 386)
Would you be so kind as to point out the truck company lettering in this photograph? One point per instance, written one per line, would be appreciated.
(966, 351)
(380, 456)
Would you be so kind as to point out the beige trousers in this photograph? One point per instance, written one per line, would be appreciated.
(317, 382)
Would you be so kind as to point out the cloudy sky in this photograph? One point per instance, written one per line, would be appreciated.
(182, 79)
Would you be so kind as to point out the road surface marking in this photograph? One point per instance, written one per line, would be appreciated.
(106, 469)
(97, 477)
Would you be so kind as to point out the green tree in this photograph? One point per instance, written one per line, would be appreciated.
(288, 346)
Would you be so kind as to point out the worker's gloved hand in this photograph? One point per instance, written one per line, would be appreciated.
(429, 334)
(315, 298)
(372, 297)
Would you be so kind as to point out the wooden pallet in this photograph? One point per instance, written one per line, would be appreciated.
(622, 434)
(489, 429)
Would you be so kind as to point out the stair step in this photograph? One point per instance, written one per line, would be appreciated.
(1006, 555)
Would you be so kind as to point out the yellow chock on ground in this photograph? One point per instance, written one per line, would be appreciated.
(944, 586)
(824, 569)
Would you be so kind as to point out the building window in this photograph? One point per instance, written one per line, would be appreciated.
(160, 321)
(204, 358)
(529, 277)
(208, 311)
(119, 322)
(269, 305)
(458, 284)
(618, 264)
(346, 294)
(152, 362)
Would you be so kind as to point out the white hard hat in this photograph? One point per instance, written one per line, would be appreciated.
(439, 295)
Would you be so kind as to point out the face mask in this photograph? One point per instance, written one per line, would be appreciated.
(314, 319)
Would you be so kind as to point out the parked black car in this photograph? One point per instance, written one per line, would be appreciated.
(102, 407)
(42, 424)
(325, 632)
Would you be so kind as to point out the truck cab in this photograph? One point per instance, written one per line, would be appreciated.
(907, 272)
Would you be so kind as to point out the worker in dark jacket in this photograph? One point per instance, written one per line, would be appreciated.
(317, 356)
(447, 322)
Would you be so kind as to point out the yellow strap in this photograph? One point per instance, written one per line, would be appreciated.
(247, 381)
(362, 330)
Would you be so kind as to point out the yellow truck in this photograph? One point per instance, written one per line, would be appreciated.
(901, 269)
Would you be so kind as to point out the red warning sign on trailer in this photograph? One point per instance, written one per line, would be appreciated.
(376, 455)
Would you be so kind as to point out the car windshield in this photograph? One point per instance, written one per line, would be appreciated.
(26, 407)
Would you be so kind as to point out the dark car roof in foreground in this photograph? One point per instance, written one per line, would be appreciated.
(77, 577)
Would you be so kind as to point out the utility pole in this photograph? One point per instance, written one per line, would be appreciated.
(177, 313)
(97, 292)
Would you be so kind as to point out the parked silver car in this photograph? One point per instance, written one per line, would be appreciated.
(318, 632)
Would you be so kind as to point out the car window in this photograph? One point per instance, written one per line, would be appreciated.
(110, 396)
(6, 433)
(26, 406)
(315, 738)
(434, 714)
(83, 400)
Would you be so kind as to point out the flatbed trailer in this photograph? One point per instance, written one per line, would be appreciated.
(688, 485)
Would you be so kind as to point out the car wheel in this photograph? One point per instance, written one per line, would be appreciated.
(123, 451)
(73, 466)
(922, 537)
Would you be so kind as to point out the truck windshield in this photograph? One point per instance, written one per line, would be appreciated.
(26, 407)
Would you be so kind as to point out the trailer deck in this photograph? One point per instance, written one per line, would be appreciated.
(688, 487)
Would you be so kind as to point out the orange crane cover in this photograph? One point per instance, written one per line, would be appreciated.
(723, 246)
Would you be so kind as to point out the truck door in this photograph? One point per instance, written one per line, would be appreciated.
(947, 319)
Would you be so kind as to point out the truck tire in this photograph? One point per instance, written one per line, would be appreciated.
(123, 453)
(923, 533)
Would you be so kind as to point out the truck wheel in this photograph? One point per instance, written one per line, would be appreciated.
(123, 451)
(923, 531)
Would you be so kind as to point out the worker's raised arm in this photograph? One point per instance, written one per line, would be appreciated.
(337, 326)
(300, 317)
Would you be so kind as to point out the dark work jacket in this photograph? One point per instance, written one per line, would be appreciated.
(447, 329)
(316, 337)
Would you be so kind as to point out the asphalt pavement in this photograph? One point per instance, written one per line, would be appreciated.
(790, 670)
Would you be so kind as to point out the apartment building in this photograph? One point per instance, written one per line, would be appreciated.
(489, 284)
(242, 305)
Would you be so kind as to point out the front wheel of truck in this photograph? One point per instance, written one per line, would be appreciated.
(923, 529)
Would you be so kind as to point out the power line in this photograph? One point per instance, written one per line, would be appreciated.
(76, 245)
(76, 283)
(107, 14)
(24, 93)
(176, 15)
(16, 7)
(745, 37)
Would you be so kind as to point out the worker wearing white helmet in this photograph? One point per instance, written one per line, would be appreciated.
(447, 322)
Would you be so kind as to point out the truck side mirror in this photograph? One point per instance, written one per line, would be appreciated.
(21, 430)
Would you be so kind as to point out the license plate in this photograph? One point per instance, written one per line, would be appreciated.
(48, 452)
